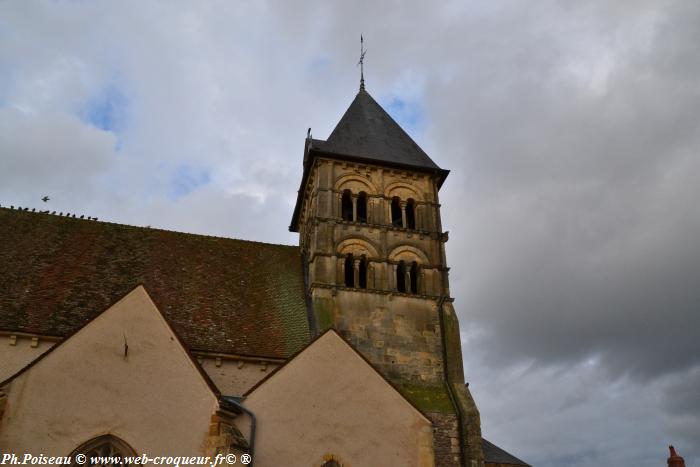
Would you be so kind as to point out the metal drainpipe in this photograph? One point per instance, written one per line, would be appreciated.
(460, 425)
(252, 428)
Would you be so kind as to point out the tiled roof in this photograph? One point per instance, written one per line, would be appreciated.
(495, 455)
(220, 294)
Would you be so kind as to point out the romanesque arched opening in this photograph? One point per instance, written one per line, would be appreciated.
(414, 278)
(346, 205)
(362, 207)
(396, 219)
(349, 271)
(362, 276)
(401, 277)
(411, 214)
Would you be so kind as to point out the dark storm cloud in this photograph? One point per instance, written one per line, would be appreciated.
(571, 129)
(580, 239)
(588, 235)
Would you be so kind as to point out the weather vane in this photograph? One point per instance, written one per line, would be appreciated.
(362, 63)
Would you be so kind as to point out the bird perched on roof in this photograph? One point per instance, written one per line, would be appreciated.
(45, 198)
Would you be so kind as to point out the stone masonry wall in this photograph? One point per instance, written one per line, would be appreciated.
(445, 440)
(399, 336)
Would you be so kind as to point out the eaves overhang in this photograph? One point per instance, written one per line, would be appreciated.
(311, 153)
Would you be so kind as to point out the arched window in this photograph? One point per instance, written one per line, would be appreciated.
(349, 271)
(346, 205)
(401, 277)
(414, 278)
(105, 446)
(362, 207)
(411, 214)
(363, 273)
(396, 212)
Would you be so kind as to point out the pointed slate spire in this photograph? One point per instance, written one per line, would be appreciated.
(675, 460)
(368, 132)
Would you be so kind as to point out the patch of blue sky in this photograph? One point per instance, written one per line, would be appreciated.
(319, 64)
(187, 179)
(106, 110)
(407, 113)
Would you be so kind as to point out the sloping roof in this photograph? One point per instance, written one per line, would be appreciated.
(220, 295)
(495, 455)
(137, 290)
(367, 133)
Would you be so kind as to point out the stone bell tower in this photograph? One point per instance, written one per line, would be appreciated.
(373, 249)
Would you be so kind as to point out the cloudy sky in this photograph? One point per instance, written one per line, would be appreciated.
(572, 130)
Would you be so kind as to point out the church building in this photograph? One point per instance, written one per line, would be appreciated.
(342, 351)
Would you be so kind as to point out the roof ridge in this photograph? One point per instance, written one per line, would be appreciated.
(157, 229)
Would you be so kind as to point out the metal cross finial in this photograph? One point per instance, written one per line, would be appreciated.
(362, 63)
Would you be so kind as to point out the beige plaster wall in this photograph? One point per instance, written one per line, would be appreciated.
(232, 376)
(155, 399)
(329, 402)
(18, 352)
(235, 377)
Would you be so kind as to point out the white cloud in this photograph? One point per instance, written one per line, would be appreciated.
(47, 153)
